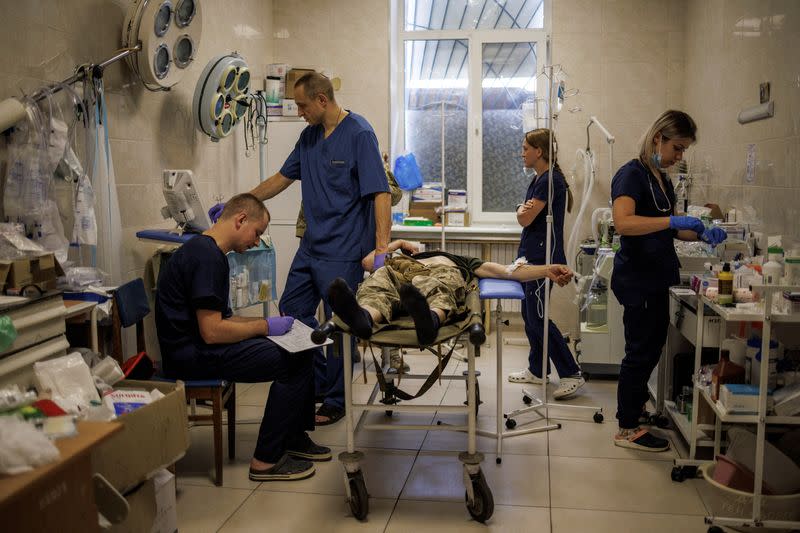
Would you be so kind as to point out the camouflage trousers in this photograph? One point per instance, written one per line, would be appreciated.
(443, 287)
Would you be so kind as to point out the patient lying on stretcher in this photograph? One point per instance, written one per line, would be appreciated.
(430, 287)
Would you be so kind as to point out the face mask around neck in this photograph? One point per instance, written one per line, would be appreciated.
(529, 172)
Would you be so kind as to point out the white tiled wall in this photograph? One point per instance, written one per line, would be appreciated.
(731, 47)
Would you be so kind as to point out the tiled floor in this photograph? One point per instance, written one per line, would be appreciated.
(568, 480)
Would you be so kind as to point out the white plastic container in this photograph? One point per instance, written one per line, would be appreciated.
(773, 269)
(727, 502)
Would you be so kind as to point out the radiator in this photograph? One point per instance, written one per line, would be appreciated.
(505, 254)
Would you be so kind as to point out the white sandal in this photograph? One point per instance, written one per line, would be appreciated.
(525, 376)
(567, 387)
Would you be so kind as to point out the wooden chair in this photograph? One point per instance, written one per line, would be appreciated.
(130, 308)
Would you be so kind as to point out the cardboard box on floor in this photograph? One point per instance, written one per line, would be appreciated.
(40, 270)
(153, 437)
(142, 510)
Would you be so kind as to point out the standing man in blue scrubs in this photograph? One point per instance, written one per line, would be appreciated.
(348, 215)
(646, 265)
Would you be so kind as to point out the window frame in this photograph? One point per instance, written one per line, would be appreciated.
(475, 39)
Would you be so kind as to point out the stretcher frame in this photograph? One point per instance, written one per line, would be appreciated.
(478, 496)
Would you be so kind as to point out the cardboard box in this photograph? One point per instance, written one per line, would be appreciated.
(62, 502)
(424, 209)
(291, 78)
(142, 510)
(278, 70)
(289, 108)
(274, 110)
(40, 270)
(741, 399)
(457, 197)
(166, 520)
(457, 219)
(153, 437)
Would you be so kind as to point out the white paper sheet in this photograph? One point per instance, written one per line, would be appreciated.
(297, 339)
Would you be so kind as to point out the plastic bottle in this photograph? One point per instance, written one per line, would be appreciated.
(773, 269)
(791, 267)
(725, 284)
(725, 372)
(681, 196)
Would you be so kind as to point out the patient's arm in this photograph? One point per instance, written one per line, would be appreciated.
(216, 330)
(369, 260)
(558, 273)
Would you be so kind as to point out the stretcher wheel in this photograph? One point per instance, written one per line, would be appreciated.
(715, 529)
(389, 412)
(498, 460)
(527, 399)
(482, 506)
(598, 417)
(359, 499)
(511, 423)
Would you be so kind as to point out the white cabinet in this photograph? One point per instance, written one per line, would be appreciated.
(282, 136)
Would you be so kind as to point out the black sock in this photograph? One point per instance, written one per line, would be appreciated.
(344, 304)
(425, 321)
(436, 321)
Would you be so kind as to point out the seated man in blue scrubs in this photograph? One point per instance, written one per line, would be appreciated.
(200, 339)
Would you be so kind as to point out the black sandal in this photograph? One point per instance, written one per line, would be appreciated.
(333, 413)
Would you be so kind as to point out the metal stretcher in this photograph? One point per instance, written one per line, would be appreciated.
(478, 497)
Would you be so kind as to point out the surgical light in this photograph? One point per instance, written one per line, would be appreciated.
(168, 33)
(221, 97)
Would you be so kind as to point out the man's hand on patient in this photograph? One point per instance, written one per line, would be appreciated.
(279, 325)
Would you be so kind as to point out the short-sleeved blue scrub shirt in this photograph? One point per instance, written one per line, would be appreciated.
(532, 243)
(644, 263)
(195, 277)
(338, 176)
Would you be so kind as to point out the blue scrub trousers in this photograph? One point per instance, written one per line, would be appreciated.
(646, 324)
(534, 329)
(307, 284)
(290, 406)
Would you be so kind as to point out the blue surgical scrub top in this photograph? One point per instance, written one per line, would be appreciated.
(532, 243)
(195, 277)
(644, 263)
(338, 175)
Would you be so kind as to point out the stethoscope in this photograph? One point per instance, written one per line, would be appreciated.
(668, 209)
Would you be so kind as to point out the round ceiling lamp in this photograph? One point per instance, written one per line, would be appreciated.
(168, 32)
(221, 95)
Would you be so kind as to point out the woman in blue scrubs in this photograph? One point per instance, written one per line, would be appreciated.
(647, 265)
(531, 215)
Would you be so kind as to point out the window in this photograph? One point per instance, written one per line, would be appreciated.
(464, 69)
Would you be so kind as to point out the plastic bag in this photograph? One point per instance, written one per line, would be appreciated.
(251, 276)
(85, 229)
(23, 447)
(406, 172)
(8, 333)
(69, 380)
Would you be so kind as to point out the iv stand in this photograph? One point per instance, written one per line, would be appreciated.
(538, 403)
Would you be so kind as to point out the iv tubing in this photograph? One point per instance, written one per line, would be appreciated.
(588, 185)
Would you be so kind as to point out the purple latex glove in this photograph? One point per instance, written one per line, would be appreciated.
(714, 236)
(215, 212)
(279, 325)
(380, 259)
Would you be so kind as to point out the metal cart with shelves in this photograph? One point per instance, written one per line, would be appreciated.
(761, 420)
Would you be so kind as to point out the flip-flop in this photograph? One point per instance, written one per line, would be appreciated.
(333, 413)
